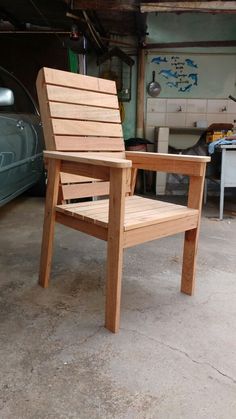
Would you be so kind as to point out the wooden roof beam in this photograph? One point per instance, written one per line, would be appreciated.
(113, 5)
(189, 6)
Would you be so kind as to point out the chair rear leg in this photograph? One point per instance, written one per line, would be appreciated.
(49, 222)
(189, 261)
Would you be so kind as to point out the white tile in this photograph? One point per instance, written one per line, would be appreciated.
(156, 119)
(175, 119)
(192, 118)
(196, 105)
(176, 105)
(156, 105)
(231, 117)
(217, 106)
(231, 107)
(214, 118)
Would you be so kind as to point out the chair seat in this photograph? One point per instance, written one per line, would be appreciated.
(139, 212)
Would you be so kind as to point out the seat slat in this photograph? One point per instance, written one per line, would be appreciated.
(150, 213)
(72, 127)
(82, 112)
(81, 97)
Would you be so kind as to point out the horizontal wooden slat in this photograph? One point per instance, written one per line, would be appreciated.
(72, 127)
(83, 112)
(64, 78)
(68, 178)
(76, 143)
(85, 190)
(151, 212)
(88, 170)
(82, 97)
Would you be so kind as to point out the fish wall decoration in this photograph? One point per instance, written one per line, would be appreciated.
(176, 72)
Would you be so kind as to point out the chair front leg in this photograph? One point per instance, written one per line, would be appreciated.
(49, 221)
(115, 248)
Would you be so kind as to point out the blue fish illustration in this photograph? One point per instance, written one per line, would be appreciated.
(194, 77)
(185, 89)
(171, 84)
(159, 60)
(168, 73)
(191, 63)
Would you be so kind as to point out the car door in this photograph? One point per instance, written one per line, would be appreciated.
(20, 152)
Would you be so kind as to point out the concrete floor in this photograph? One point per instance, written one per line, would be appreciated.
(175, 356)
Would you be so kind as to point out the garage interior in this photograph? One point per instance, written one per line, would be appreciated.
(174, 356)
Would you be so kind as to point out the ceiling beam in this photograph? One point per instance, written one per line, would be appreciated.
(189, 6)
(190, 44)
(115, 5)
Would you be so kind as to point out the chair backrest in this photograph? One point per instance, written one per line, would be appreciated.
(80, 114)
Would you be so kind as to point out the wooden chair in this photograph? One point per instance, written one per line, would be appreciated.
(83, 136)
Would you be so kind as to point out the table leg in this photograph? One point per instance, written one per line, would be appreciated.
(222, 184)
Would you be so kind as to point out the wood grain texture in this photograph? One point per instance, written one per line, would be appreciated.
(44, 111)
(87, 170)
(88, 158)
(139, 212)
(83, 226)
(68, 178)
(115, 248)
(49, 222)
(86, 143)
(74, 127)
(81, 97)
(169, 163)
(83, 113)
(196, 187)
(85, 190)
(78, 81)
(157, 231)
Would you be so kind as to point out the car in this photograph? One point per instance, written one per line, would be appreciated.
(21, 141)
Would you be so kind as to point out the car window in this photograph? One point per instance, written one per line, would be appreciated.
(22, 102)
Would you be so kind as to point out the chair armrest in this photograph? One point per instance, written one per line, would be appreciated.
(170, 163)
(87, 158)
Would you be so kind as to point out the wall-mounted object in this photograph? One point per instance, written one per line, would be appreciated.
(117, 65)
(154, 88)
